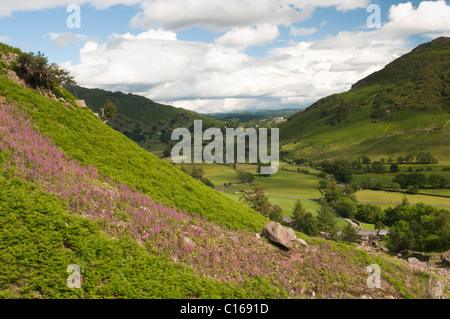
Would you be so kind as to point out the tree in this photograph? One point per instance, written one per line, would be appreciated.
(298, 213)
(412, 189)
(413, 179)
(349, 234)
(437, 181)
(394, 168)
(405, 201)
(36, 72)
(409, 158)
(197, 173)
(258, 170)
(326, 221)
(370, 213)
(275, 213)
(343, 175)
(346, 208)
(207, 182)
(365, 159)
(245, 177)
(379, 225)
(109, 110)
(166, 152)
(378, 167)
(258, 201)
(426, 158)
(308, 225)
(400, 237)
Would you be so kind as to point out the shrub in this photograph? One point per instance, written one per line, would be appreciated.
(35, 70)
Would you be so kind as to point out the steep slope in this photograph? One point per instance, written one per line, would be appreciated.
(75, 191)
(403, 108)
(144, 121)
(83, 136)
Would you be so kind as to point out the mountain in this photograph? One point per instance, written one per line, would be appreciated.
(144, 121)
(78, 198)
(402, 109)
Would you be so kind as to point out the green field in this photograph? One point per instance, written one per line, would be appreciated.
(390, 198)
(283, 188)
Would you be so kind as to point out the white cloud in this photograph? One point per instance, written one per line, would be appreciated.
(4, 38)
(297, 32)
(430, 16)
(249, 36)
(159, 34)
(8, 7)
(216, 77)
(217, 15)
(61, 40)
(165, 9)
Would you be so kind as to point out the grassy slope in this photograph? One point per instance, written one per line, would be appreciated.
(415, 90)
(84, 137)
(39, 240)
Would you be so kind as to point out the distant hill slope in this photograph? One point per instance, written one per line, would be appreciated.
(146, 122)
(403, 108)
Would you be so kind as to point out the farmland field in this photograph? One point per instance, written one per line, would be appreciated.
(381, 197)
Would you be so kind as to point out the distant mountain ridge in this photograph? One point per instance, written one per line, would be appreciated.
(403, 108)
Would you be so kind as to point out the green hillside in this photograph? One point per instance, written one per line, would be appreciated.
(144, 121)
(83, 136)
(401, 109)
(75, 191)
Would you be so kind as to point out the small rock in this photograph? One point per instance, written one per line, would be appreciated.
(81, 103)
(188, 242)
(300, 241)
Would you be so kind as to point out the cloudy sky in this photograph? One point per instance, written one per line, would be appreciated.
(222, 55)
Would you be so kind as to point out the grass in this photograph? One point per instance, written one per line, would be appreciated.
(381, 197)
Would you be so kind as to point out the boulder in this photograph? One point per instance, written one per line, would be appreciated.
(81, 103)
(278, 234)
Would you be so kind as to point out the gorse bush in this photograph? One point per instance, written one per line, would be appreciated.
(36, 71)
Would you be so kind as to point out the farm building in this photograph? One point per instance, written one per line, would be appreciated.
(371, 235)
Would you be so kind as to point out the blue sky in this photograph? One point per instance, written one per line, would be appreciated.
(207, 57)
